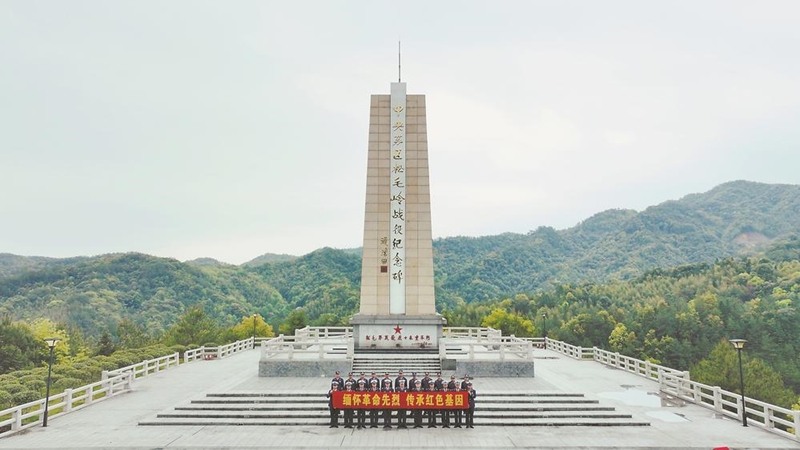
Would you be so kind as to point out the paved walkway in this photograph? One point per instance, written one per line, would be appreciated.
(113, 423)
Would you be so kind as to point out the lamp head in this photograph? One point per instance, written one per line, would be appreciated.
(738, 344)
(544, 315)
(51, 342)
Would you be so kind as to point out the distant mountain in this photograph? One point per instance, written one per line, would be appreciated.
(206, 262)
(268, 258)
(732, 219)
(11, 265)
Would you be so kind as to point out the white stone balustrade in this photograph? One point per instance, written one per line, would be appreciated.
(781, 421)
(113, 382)
(32, 414)
(310, 344)
(147, 367)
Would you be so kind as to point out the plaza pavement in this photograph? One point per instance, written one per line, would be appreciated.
(113, 423)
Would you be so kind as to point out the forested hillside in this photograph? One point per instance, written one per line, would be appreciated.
(11, 265)
(731, 219)
(96, 294)
(675, 317)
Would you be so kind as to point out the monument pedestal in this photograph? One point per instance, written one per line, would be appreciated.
(397, 331)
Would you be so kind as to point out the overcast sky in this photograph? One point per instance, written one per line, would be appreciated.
(229, 129)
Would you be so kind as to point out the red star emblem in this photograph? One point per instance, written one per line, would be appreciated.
(397, 329)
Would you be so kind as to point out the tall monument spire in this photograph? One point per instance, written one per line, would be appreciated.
(398, 63)
(398, 305)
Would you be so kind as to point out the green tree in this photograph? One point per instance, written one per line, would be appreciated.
(132, 335)
(509, 323)
(194, 327)
(20, 348)
(105, 346)
(721, 368)
(297, 319)
(623, 341)
(45, 328)
(244, 329)
(328, 320)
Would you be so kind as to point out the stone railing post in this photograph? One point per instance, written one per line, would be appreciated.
(17, 416)
(351, 351)
(616, 360)
(104, 375)
(67, 400)
(797, 424)
(717, 398)
(697, 393)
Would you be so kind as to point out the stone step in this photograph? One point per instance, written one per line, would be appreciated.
(294, 407)
(397, 352)
(483, 402)
(549, 422)
(325, 413)
(322, 395)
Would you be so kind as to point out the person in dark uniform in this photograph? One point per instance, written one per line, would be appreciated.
(385, 377)
(348, 412)
(426, 380)
(445, 412)
(454, 386)
(339, 380)
(432, 412)
(417, 388)
(459, 413)
(361, 413)
(387, 412)
(351, 380)
(334, 412)
(439, 385)
(361, 376)
(471, 394)
(397, 380)
(373, 413)
(401, 413)
(373, 377)
(464, 383)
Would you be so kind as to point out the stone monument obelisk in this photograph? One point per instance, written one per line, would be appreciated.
(398, 305)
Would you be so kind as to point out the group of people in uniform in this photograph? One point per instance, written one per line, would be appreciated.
(401, 384)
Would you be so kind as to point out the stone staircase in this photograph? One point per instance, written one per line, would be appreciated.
(394, 362)
(310, 408)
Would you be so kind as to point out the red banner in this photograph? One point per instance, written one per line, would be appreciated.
(400, 400)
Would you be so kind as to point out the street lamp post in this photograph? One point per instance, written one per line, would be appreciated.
(254, 330)
(738, 344)
(544, 325)
(51, 343)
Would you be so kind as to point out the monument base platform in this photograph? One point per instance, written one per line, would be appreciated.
(397, 332)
